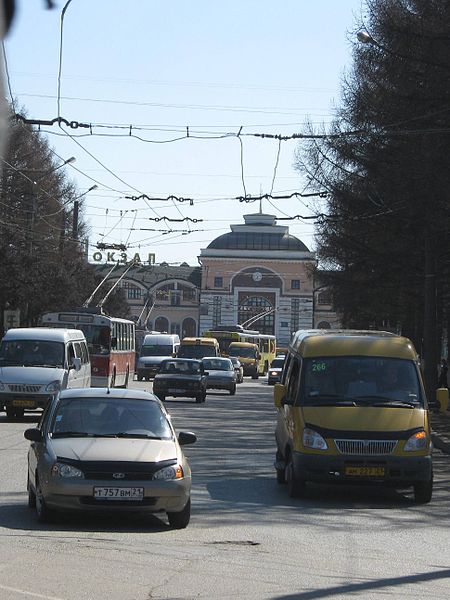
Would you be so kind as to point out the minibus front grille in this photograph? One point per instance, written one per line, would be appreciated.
(366, 447)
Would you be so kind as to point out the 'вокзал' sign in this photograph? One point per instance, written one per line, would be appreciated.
(122, 257)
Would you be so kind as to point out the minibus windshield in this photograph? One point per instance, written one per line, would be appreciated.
(360, 380)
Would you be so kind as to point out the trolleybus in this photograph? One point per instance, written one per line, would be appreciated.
(110, 340)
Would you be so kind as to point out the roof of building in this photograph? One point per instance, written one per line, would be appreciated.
(258, 232)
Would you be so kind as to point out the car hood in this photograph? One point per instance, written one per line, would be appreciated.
(151, 360)
(36, 375)
(212, 373)
(114, 449)
(177, 376)
(365, 418)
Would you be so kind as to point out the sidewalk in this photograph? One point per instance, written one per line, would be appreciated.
(440, 426)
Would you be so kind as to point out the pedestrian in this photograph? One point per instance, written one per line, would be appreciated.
(443, 383)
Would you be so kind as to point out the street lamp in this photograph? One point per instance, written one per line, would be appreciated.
(70, 160)
(76, 208)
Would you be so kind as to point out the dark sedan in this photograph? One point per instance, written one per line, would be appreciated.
(180, 377)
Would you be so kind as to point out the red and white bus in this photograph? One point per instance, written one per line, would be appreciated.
(111, 343)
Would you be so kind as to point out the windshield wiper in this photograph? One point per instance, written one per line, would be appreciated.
(397, 404)
(329, 400)
(56, 434)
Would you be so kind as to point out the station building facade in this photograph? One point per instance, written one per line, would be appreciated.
(257, 275)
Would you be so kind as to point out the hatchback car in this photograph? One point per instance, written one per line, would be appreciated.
(238, 368)
(221, 374)
(275, 370)
(183, 377)
(100, 449)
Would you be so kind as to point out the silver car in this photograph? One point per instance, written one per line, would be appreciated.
(220, 374)
(108, 450)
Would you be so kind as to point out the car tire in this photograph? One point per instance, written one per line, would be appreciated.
(140, 377)
(180, 520)
(162, 398)
(423, 491)
(255, 375)
(31, 495)
(44, 514)
(296, 487)
(233, 390)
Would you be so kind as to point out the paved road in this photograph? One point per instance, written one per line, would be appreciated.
(246, 540)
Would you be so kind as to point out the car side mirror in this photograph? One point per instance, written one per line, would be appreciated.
(33, 435)
(279, 395)
(186, 437)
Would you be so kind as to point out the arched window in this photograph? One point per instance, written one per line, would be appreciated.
(257, 306)
(162, 325)
(189, 328)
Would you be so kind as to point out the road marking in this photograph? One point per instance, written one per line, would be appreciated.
(25, 593)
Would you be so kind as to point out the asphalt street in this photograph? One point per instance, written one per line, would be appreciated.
(247, 539)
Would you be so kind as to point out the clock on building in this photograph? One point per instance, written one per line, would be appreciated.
(257, 276)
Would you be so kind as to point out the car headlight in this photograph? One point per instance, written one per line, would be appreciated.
(54, 386)
(172, 472)
(418, 441)
(312, 439)
(273, 373)
(63, 470)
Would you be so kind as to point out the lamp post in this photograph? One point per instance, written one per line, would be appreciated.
(76, 209)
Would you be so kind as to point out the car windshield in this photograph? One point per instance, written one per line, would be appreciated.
(122, 417)
(217, 364)
(242, 351)
(277, 363)
(195, 351)
(360, 380)
(180, 367)
(31, 353)
(157, 350)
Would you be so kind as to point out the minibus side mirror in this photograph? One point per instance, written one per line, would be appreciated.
(76, 363)
(279, 395)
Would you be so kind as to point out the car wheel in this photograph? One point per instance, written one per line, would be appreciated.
(44, 514)
(423, 491)
(10, 413)
(31, 495)
(296, 487)
(162, 398)
(233, 390)
(180, 520)
(140, 377)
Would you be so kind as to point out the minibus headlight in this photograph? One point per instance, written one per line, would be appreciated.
(54, 386)
(418, 441)
(312, 439)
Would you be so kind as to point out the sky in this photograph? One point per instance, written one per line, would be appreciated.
(172, 93)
